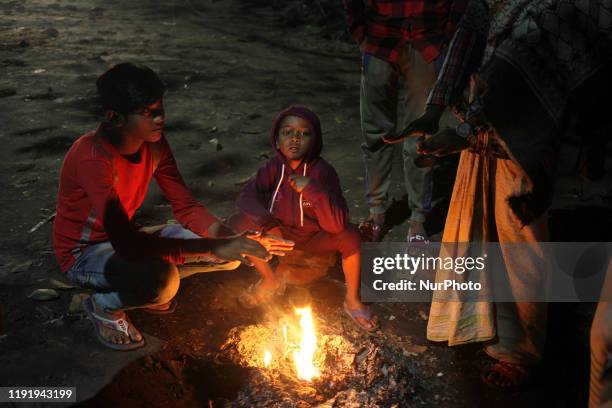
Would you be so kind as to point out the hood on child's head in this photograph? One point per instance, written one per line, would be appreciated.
(315, 125)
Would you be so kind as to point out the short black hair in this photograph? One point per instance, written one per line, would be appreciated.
(127, 87)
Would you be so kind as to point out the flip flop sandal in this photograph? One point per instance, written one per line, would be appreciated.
(121, 325)
(516, 375)
(364, 314)
(251, 299)
(417, 239)
(171, 308)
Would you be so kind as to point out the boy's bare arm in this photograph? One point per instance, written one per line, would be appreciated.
(132, 244)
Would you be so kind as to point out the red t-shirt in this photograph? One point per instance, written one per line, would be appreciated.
(92, 169)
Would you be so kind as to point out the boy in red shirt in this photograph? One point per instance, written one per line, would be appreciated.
(103, 181)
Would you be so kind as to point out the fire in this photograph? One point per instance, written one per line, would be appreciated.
(267, 358)
(303, 357)
(292, 347)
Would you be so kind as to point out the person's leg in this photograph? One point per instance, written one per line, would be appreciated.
(378, 101)
(121, 285)
(148, 284)
(416, 79)
(347, 243)
(351, 267)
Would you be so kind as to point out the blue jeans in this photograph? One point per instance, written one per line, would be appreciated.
(90, 270)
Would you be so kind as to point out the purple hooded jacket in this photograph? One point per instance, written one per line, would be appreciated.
(268, 199)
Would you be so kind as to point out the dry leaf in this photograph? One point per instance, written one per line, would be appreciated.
(44, 294)
(55, 284)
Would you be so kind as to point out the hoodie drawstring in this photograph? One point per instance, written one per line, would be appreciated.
(277, 187)
(301, 205)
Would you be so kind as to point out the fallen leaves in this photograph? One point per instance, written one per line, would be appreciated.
(44, 295)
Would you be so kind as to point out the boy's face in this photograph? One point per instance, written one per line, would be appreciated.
(146, 123)
(294, 138)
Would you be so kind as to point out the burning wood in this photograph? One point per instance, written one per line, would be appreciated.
(295, 363)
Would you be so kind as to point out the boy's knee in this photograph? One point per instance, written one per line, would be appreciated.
(165, 282)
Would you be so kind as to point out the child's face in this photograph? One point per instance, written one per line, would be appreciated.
(146, 123)
(294, 138)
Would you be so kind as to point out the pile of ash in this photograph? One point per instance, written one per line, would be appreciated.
(358, 371)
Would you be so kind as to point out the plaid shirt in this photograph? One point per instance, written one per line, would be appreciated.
(388, 25)
(463, 58)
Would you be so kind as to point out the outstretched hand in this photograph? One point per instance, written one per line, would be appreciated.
(442, 144)
(275, 245)
(238, 247)
(427, 124)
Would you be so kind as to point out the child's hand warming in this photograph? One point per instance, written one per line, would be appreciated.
(274, 245)
(298, 183)
(237, 247)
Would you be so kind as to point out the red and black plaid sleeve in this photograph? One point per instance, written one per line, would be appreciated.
(464, 55)
(462, 60)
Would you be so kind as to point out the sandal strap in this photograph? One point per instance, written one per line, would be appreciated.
(121, 325)
(364, 314)
(418, 238)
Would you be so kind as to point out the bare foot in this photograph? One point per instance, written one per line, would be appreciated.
(115, 336)
(359, 311)
(506, 376)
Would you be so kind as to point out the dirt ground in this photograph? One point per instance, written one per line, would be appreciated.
(230, 66)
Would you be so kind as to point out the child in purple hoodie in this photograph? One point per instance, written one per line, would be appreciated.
(297, 195)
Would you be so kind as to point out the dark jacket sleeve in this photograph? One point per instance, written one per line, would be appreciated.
(328, 203)
(254, 198)
(355, 19)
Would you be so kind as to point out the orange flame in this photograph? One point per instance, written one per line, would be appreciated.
(303, 357)
(267, 358)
